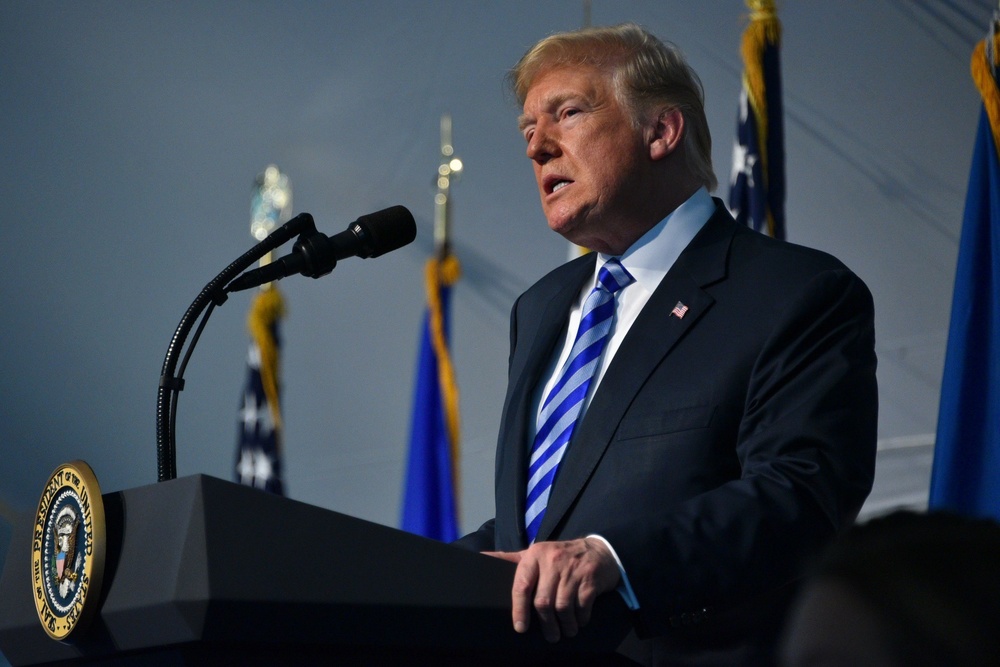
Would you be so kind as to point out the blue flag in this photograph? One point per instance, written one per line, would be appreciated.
(258, 449)
(965, 477)
(966, 472)
(429, 498)
(757, 187)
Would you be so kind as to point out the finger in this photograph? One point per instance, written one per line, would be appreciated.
(566, 609)
(523, 592)
(602, 577)
(546, 593)
(581, 578)
(511, 556)
(572, 608)
(585, 605)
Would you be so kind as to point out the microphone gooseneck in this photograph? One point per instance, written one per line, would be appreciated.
(314, 255)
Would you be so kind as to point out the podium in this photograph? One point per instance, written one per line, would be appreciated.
(201, 571)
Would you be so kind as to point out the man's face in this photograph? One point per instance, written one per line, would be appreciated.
(591, 164)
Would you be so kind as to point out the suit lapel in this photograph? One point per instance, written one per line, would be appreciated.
(652, 336)
(542, 325)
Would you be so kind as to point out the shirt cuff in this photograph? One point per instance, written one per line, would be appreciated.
(624, 588)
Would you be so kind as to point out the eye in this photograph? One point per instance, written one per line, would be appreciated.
(569, 112)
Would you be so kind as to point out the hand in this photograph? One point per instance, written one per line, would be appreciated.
(561, 580)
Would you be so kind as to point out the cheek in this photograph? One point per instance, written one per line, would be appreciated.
(616, 175)
(606, 179)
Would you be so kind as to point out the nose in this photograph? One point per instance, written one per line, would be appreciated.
(543, 145)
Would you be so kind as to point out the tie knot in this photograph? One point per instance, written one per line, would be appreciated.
(613, 276)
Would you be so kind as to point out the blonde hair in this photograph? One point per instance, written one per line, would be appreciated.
(645, 73)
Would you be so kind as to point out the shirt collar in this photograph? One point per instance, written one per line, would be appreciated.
(649, 258)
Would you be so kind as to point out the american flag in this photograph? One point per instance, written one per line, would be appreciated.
(679, 310)
(757, 188)
(258, 451)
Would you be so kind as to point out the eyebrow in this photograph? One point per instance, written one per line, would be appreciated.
(553, 102)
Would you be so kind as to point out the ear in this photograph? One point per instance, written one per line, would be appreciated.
(667, 133)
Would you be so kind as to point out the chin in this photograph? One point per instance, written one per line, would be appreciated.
(574, 227)
(561, 229)
(563, 225)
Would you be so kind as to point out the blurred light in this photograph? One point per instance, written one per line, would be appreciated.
(271, 203)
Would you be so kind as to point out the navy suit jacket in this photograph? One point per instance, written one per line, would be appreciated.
(721, 451)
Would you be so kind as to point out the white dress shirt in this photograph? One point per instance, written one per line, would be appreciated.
(647, 260)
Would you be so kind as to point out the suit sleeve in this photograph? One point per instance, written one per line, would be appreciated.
(481, 540)
(805, 443)
(484, 538)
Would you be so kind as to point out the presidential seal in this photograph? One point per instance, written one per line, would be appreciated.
(67, 550)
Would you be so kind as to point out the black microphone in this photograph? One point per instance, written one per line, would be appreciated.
(315, 254)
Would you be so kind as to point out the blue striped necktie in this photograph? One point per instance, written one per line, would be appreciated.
(564, 402)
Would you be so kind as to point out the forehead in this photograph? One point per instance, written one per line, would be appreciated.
(556, 84)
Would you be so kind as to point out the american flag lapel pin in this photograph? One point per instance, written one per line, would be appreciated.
(679, 310)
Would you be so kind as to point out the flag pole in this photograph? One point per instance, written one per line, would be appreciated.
(443, 272)
(431, 485)
(575, 250)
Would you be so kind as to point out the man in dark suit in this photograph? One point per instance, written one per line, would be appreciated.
(727, 424)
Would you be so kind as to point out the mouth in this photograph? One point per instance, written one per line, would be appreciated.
(554, 184)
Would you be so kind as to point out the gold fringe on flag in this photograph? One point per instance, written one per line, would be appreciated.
(444, 272)
(984, 74)
(267, 308)
(764, 29)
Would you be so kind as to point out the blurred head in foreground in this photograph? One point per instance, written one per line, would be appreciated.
(907, 589)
